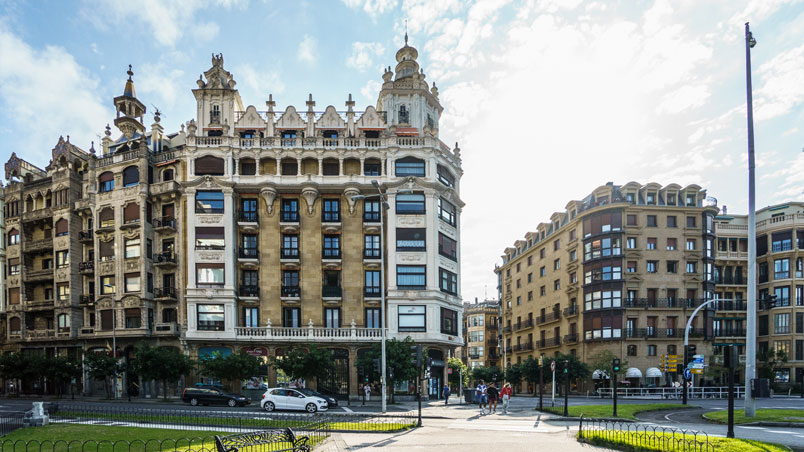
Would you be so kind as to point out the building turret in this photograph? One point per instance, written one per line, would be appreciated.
(130, 110)
(217, 99)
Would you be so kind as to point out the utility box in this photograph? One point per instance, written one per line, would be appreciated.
(469, 395)
(760, 388)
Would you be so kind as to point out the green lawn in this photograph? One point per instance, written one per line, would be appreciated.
(767, 415)
(623, 411)
(662, 442)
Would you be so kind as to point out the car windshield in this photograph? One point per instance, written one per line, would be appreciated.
(308, 392)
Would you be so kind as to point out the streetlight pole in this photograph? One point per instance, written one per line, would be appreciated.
(751, 320)
(687, 341)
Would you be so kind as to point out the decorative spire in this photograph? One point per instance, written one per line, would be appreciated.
(129, 89)
(406, 32)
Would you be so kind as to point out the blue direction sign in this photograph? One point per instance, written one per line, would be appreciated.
(687, 374)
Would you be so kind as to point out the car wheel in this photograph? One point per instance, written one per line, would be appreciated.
(194, 401)
(269, 406)
(311, 408)
(232, 403)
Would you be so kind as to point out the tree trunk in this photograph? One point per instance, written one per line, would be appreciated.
(106, 387)
(164, 389)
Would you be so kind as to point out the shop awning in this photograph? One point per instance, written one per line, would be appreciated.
(599, 375)
(633, 372)
(653, 372)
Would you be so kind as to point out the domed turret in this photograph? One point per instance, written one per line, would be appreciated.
(406, 61)
(129, 108)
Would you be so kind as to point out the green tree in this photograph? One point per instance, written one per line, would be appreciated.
(530, 372)
(458, 370)
(13, 366)
(232, 368)
(772, 362)
(103, 366)
(160, 364)
(60, 370)
(513, 374)
(308, 361)
(398, 357)
(603, 362)
(487, 374)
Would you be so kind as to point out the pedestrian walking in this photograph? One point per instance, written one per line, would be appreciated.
(367, 391)
(494, 395)
(482, 396)
(445, 391)
(506, 394)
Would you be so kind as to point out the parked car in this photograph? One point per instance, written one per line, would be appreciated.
(291, 399)
(210, 395)
(331, 402)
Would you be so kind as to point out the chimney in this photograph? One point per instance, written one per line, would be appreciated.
(475, 300)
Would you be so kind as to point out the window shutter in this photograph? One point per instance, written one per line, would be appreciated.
(15, 325)
(248, 167)
(107, 248)
(106, 214)
(13, 261)
(107, 319)
(131, 212)
(14, 296)
(106, 177)
(133, 312)
(209, 165)
(209, 233)
(131, 175)
(167, 210)
(61, 227)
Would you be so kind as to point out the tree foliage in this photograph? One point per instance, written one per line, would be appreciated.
(103, 366)
(398, 357)
(57, 370)
(307, 361)
(232, 368)
(513, 374)
(160, 364)
(458, 370)
(487, 374)
(603, 362)
(771, 361)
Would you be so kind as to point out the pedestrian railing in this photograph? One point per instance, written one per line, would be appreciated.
(198, 444)
(10, 421)
(716, 392)
(633, 436)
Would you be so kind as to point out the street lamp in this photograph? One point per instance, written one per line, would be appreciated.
(384, 203)
(751, 311)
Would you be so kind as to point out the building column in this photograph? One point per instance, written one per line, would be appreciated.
(362, 166)
(340, 166)
(320, 166)
(278, 166)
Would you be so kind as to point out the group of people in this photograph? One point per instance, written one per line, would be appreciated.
(488, 396)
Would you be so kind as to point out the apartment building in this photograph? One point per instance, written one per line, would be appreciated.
(620, 270)
(480, 333)
(83, 272)
(281, 248)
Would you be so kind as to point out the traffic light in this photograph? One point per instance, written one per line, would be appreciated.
(429, 362)
(566, 366)
(615, 365)
(376, 362)
(416, 354)
(391, 372)
(692, 349)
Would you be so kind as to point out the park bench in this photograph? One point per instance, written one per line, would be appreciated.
(233, 443)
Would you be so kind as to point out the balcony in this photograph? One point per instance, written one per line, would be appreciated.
(730, 332)
(164, 223)
(38, 275)
(106, 226)
(474, 356)
(291, 292)
(290, 253)
(571, 311)
(308, 334)
(248, 253)
(165, 293)
(86, 267)
(729, 305)
(131, 224)
(672, 302)
(509, 349)
(37, 245)
(39, 335)
(249, 291)
(165, 258)
(662, 333)
(87, 299)
(372, 292)
(86, 236)
(550, 342)
(331, 292)
(247, 216)
(571, 338)
(523, 347)
(506, 329)
(548, 318)
(39, 305)
(528, 323)
(166, 329)
(38, 214)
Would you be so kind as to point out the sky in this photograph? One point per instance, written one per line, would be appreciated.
(547, 99)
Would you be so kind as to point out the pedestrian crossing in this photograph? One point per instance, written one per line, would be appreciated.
(503, 424)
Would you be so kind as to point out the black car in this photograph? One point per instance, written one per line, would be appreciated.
(331, 402)
(210, 395)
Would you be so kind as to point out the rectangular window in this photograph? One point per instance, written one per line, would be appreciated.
(248, 210)
(631, 220)
(290, 246)
(671, 244)
(651, 266)
(209, 274)
(651, 350)
(371, 211)
(132, 282)
(652, 221)
(631, 267)
(411, 276)
(373, 318)
(410, 239)
(209, 202)
(210, 317)
(332, 211)
(690, 244)
(63, 291)
(107, 319)
(291, 317)
(781, 323)
(332, 317)
(630, 243)
(671, 221)
(13, 266)
(449, 322)
(372, 286)
(371, 248)
(290, 210)
(651, 243)
(573, 255)
(557, 284)
(692, 267)
(132, 248)
(609, 246)
(449, 281)
(62, 259)
(447, 247)
(542, 271)
(107, 285)
(672, 266)
(410, 204)
(251, 317)
(557, 264)
(556, 244)
(412, 319)
(409, 166)
(781, 268)
(691, 222)
(209, 238)
(447, 212)
(445, 177)
(332, 246)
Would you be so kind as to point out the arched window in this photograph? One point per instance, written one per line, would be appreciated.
(167, 175)
(410, 166)
(13, 237)
(131, 176)
(106, 182)
(61, 227)
(248, 167)
(209, 165)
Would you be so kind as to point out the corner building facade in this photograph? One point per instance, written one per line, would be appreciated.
(620, 270)
(283, 251)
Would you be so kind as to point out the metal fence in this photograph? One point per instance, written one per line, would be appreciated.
(642, 437)
(226, 421)
(715, 392)
(10, 421)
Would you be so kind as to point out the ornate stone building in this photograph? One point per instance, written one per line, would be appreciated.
(480, 330)
(280, 252)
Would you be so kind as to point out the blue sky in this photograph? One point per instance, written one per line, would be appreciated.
(548, 99)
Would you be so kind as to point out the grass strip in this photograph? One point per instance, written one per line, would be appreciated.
(762, 415)
(623, 411)
(660, 442)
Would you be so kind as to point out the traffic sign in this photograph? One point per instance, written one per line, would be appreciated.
(687, 374)
(449, 371)
(552, 366)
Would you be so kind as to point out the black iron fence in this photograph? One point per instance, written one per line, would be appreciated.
(635, 436)
(10, 421)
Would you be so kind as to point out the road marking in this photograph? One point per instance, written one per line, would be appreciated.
(752, 428)
(781, 431)
(348, 410)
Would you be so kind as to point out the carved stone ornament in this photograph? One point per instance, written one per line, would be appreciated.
(410, 220)
(208, 183)
(107, 268)
(349, 193)
(209, 293)
(411, 257)
(210, 255)
(209, 219)
(310, 194)
(269, 195)
(62, 274)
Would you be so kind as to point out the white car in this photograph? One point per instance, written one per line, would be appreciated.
(291, 399)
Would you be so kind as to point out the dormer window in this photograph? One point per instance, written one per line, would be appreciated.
(404, 117)
(651, 198)
(629, 197)
(671, 199)
(691, 199)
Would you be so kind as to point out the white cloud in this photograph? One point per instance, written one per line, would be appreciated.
(307, 50)
(260, 82)
(684, 98)
(164, 81)
(205, 31)
(373, 8)
(783, 87)
(94, 48)
(46, 93)
(370, 91)
(363, 54)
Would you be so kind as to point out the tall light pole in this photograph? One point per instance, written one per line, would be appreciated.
(751, 320)
(383, 206)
